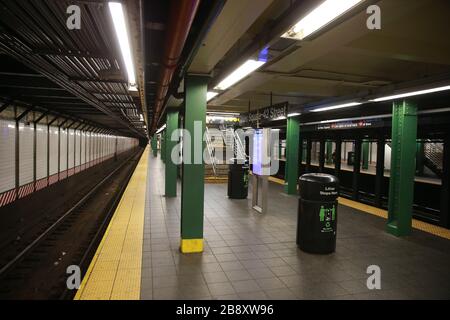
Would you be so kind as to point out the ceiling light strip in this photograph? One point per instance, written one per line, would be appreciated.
(118, 18)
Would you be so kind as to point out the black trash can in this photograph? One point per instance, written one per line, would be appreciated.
(238, 179)
(317, 213)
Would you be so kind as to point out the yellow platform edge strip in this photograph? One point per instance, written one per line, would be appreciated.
(416, 224)
(115, 269)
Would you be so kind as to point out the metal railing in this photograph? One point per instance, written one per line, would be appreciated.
(240, 149)
(212, 157)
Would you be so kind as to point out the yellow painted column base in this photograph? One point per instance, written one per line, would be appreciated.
(191, 245)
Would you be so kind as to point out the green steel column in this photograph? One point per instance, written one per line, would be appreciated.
(356, 168)
(321, 155)
(171, 167)
(420, 158)
(154, 145)
(193, 185)
(337, 158)
(401, 184)
(365, 154)
(329, 156)
(163, 146)
(292, 160)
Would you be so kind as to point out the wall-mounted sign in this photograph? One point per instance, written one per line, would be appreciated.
(264, 115)
(357, 124)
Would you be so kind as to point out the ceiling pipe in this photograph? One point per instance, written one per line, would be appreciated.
(181, 16)
(191, 48)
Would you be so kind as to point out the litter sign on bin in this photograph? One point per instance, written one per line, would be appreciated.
(327, 215)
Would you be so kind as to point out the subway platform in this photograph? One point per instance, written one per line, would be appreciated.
(252, 256)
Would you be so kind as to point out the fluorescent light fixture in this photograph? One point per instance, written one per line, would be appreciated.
(11, 126)
(118, 18)
(240, 73)
(319, 17)
(293, 114)
(210, 95)
(132, 87)
(161, 129)
(280, 118)
(339, 106)
(230, 114)
(411, 94)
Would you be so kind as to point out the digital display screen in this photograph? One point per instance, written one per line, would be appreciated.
(257, 151)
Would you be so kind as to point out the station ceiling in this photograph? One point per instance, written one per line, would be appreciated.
(76, 72)
(81, 73)
(345, 59)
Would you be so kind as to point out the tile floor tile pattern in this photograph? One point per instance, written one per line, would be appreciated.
(253, 256)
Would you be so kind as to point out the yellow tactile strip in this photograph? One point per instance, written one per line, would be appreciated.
(115, 270)
(417, 224)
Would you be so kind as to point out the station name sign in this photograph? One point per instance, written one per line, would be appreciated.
(272, 113)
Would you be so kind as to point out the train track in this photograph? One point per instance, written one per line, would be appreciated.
(38, 271)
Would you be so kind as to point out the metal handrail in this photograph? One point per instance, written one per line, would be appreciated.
(240, 146)
(208, 146)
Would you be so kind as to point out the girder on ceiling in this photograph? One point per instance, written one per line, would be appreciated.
(86, 64)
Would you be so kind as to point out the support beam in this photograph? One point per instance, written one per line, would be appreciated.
(356, 169)
(154, 145)
(34, 153)
(43, 115)
(401, 185)
(17, 160)
(171, 166)
(193, 186)
(163, 146)
(4, 106)
(365, 154)
(292, 153)
(338, 158)
(379, 178)
(23, 114)
(53, 120)
(321, 155)
(329, 152)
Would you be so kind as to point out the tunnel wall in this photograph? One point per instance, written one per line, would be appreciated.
(33, 158)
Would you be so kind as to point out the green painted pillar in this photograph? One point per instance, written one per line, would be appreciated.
(305, 150)
(154, 145)
(292, 161)
(193, 185)
(171, 167)
(365, 154)
(420, 158)
(329, 151)
(163, 146)
(401, 183)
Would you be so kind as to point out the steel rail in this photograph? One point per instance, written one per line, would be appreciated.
(44, 234)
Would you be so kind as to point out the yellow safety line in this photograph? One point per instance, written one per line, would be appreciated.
(115, 270)
(416, 224)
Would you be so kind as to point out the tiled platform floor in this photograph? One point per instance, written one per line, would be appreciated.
(250, 256)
